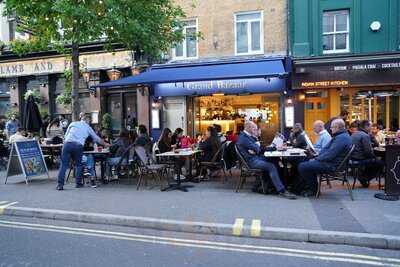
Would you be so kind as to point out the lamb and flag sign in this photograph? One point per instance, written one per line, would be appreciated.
(26, 158)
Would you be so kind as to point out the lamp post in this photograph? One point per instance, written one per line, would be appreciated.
(113, 74)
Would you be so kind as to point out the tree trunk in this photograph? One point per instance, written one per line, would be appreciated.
(75, 81)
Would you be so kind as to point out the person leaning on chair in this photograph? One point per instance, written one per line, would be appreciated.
(252, 152)
(364, 155)
(328, 159)
(74, 140)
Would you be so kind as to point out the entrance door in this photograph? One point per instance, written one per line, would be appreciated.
(175, 113)
(122, 107)
(316, 108)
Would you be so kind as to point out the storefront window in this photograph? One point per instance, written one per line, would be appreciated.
(4, 99)
(84, 103)
(58, 108)
(115, 109)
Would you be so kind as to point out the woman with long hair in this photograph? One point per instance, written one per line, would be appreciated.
(117, 149)
(164, 142)
(210, 144)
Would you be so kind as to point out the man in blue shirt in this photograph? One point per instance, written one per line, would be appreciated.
(323, 136)
(12, 126)
(328, 158)
(74, 141)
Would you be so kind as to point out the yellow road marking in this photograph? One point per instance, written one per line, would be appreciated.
(255, 228)
(3, 207)
(238, 226)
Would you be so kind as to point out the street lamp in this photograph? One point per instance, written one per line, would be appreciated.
(86, 76)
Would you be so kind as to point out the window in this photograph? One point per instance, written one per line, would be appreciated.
(188, 47)
(249, 33)
(335, 32)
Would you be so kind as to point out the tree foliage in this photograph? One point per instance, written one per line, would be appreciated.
(149, 25)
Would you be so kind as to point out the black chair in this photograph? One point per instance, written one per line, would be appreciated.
(217, 163)
(4, 154)
(340, 174)
(246, 171)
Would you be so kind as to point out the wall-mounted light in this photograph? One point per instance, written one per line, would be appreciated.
(43, 84)
(13, 87)
(289, 101)
(15, 104)
(135, 69)
(92, 91)
(86, 76)
(375, 26)
(113, 74)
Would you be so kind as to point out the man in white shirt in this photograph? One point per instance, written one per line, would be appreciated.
(74, 141)
(18, 136)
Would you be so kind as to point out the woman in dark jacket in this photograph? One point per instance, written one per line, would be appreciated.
(164, 143)
(210, 144)
(176, 137)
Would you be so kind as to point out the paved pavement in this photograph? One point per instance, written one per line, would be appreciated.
(33, 242)
(215, 202)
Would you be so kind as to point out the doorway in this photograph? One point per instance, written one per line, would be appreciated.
(123, 110)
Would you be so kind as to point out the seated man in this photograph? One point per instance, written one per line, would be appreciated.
(18, 136)
(328, 158)
(297, 137)
(252, 153)
(323, 136)
(364, 154)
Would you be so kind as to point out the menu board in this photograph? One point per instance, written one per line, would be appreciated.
(26, 158)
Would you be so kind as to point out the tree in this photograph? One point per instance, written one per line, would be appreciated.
(150, 26)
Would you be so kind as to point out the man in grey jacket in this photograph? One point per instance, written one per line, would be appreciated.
(363, 154)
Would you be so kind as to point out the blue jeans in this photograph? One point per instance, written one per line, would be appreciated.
(88, 161)
(310, 169)
(71, 151)
(269, 169)
(110, 163)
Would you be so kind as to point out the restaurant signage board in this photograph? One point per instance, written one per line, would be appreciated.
(119, 59)
(26, 158)
(233, 86)
(392, 181)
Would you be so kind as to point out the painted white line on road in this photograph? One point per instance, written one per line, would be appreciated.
(278, 251)
(3, 202)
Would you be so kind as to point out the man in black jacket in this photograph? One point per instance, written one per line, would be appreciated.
(344, 115)
(364, 155)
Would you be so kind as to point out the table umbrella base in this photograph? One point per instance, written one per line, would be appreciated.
(180, 187)
(387, 197)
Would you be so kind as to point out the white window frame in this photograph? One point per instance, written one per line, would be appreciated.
(184, 42)
(261, 20)
(334, 33)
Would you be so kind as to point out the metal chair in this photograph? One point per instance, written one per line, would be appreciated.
(145, 167)
(246, 171)
(340, 174)
(216, 163)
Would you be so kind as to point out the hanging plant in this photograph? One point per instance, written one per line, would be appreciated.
(106, 122)
(65, 98)
(37, 97)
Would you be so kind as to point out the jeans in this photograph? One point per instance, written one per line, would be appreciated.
(110, 163)
(70, 151)
(88, 161)
(372, 168)
(269, 169)
(310, 169)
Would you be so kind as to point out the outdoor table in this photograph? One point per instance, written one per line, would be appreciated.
(53, 150)
(286, 156)
(100, 156)
(180, 153)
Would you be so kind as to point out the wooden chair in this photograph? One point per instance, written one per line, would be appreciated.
(340, 174)
(246, 171)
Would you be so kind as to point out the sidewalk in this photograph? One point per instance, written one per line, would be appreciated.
(214, 202)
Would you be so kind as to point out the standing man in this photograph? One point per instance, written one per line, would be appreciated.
(328, 159)
(252, 153)
(344, 115)
(323, 136)
(74, 141)
(12, 126)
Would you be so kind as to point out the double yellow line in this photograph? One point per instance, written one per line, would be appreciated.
(255, 229)
(4, 205)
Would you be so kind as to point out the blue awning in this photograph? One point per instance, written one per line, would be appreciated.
(205, 71)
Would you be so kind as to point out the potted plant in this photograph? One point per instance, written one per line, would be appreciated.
(106, 124)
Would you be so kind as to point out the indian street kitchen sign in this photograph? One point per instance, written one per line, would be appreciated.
(120, 59)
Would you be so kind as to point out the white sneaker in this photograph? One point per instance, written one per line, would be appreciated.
(176, 177)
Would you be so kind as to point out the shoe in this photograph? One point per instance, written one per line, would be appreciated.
(60, 187)
(287, 195)
(364, 183)
(79, 185)
(93, 184)
(181, 176)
